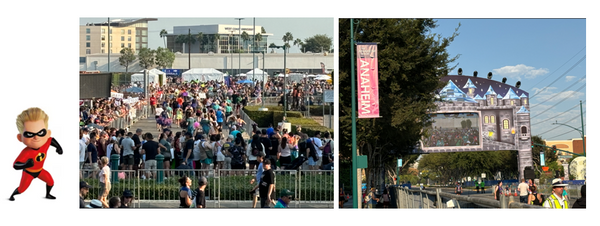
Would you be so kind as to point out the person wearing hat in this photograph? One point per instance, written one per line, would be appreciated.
(95, 203)
(284, 199)
(200, 196)
(84, 189)
(557, 200)
(126, 199)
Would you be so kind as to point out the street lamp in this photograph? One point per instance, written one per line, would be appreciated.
(284, 83)
(239, 52)
(262, 108)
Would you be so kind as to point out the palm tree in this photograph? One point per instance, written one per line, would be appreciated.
(180, 39)
(245, 37)
(298, 43)
(216, 43)
(287, 38)
(258, 39)
(272, 46)
(163, 35)
(200, 38)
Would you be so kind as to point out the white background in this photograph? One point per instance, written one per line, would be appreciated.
(40, 65)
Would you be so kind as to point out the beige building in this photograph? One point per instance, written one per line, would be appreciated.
(573, 145)
(102, 37)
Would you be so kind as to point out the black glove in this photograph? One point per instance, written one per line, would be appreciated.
(55, 144)
(20, 165)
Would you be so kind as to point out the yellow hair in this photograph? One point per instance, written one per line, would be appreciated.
(31, 114)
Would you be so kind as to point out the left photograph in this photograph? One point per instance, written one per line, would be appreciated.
(206, 112)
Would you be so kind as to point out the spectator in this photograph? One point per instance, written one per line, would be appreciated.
(105, 185)
(498, 191)
(114, 202)
(327, 152)
(128, 151)
(150, 149)
(267, 184)
(84, 189)
(137, 157)
(285, 199)
(92, 154)
(126, 199)
(580, 203)
(185, 194)
(523, 191)
(534, 198)
(200, 196)
(316, 141)
(95, 203)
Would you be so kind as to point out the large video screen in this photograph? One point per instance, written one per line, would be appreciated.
(453, 129)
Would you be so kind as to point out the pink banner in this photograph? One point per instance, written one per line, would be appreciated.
(368, 91)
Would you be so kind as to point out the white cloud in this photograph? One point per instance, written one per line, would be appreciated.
(548, 93)
(569, 78)
(515, 72)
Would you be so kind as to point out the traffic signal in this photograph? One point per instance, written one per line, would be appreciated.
(532, 145)
(554, 149)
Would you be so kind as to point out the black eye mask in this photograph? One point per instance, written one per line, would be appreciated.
(28, 134)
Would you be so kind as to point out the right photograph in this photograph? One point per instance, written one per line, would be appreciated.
(462, 113)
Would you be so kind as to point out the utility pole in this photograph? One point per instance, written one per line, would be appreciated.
(582, 126)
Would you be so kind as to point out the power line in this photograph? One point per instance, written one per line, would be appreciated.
(557, 115)
(570, 131)
(547, 99)
(578, 62)
(541, 80)
(559, 125)
(559, 101)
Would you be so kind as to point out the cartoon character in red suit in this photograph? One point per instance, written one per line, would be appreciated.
(32, 124)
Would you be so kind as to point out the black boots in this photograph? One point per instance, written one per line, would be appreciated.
(48, 195)
(16, 192)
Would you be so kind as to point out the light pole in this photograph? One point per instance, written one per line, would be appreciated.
(284, 83)
(239, 51)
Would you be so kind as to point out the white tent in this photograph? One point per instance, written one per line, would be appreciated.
(153, 76)
(202, 75)
(257, 75)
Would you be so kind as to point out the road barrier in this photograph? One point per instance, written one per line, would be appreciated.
(430, 199)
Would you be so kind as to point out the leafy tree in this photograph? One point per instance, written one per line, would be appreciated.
(411, 62)
(187, 39)
(317, 44)
(287, 38)
(163, 35)
(127, 56)
(262, 30)
(272, 46)
(299, 43)
(164, 57)
(146, 57)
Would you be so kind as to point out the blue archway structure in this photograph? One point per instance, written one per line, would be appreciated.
(480, 114)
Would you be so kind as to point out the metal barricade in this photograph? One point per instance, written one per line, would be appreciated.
(315, 185)
(126, 181)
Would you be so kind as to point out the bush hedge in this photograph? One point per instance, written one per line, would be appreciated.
(318, 187)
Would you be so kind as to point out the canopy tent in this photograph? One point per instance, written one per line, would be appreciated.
(154, 75)
(202, 75)
(257, 75)
(323, 77)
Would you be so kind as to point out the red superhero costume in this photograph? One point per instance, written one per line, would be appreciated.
(31, 161)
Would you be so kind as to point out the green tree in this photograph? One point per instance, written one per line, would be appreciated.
(146, 57)
(549, 157)
(185, 39)
(245, 38)
(287, 38)
(272, 46)
(257, 39)
(164, 57)
(262, 30)
(163, 35)
(411, 62)
(299, 43)
(126, 58)
(201, 41)
(317, 44)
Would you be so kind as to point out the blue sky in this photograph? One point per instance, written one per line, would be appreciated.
(546, 55)
(301, 28)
